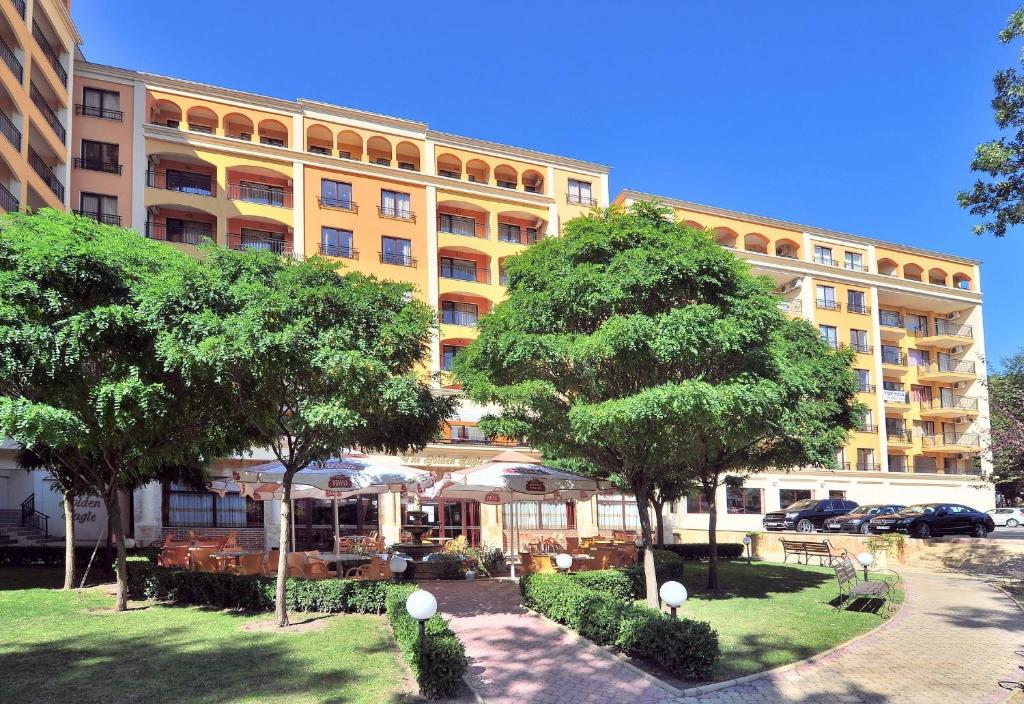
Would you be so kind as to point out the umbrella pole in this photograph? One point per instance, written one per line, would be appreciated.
(511, 536)
(334, 509)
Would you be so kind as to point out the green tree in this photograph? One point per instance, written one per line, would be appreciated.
(645, 348)
(81, 380)
(316, 361)
(999, 194)
(1006, 402)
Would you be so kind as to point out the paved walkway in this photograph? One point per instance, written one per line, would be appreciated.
(951, 642)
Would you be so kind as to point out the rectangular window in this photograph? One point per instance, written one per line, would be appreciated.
(921, 394)
(265, 240)
(100, 156)
(100, 207)
(580, 193)
(895, 429)
(826, 297)
(183, 507)
(336, 243)
(835, 494)
(863, 379)
(188, 182)
(187, 231)
(823, 255)
(315, 149)
(892, 355)
(917, 323)
(255, 192)
(102, 103)
(448, 353)
(394, 204)
(859, 341)
(830, 334)
(510, 233)
(855, 261)
(866, 460)
(791, 496)
(456, 224)
(897, 463)
(272, 141)
(532, 235)
(395, 250)
(461, 269)
(919, 358)
(617, 512)
(892, 386)
(540, 515)
(697, 503)
(890, 318)
(856, 302)
(458, 313)
(335, 194)
(743, 500)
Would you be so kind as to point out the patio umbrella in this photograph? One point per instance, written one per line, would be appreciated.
(512, 477)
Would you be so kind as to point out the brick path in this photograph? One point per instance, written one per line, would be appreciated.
(951, 643)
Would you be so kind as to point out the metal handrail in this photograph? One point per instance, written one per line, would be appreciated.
(186, 235)
(32, 518)
(7, 54)
(573, 199)
(336, 250)
(859, 308)
(465, 272)
(8, 201)
(826, 304)
(105, 218)
(12, 133)
(337, 204)
(49, 52)
(19, 5)
(45, 172)
(158, 179)
(396, 213)
(48, 114)
(93, 111)
(897, 358)
(244, 242)
(397, 259)
(965, 403)
(459, 317)
(890, 319)
(951, 438)
(955, 366)
(93, 165)
(455, 221)
(261, 195)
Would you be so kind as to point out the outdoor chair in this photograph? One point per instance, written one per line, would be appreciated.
(268, 567)
(550, 546)
(231, 541)
(204, 561)
(247, 564)
(375, 570)
(174, 556)
(852, 587)
(343, 545)
(526, 565)
(315, 569)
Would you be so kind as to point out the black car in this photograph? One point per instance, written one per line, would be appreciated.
(808, 515)
(856, 521)
(926, 520)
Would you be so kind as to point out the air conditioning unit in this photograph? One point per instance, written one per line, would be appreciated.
(955, 315)
(958, 349)
(962, 420)
(960, 385)
(790, 285)
(961, 456)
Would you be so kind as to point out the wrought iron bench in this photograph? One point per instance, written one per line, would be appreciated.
(852, 587)
(807, 549)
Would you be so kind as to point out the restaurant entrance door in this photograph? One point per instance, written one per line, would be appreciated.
(451, 518)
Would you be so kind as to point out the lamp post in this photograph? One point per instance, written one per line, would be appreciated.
(673, 594)
(865, 559)
(398, 566)
(421, 605)
(746, 542)
(563, 562)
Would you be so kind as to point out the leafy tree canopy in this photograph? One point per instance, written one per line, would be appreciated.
(1006, 400)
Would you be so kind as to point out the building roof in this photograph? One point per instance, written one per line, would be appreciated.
(788, 225)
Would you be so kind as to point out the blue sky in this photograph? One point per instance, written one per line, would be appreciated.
(859, 117)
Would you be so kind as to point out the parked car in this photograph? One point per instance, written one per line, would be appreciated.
(856, 521)
(807, 515)
(926, 520)
(1009, 517)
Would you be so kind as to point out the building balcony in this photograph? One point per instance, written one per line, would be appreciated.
(260, 195)
(462, 226)
(196, 184)
(899, 437)
(951, 442)
(47, 112)
(891, 324)
(866, 388)
(867, 428)
(102, 113)
(20, 6)
(868, 467)
(860, 348)
(11, 133)
(105, 218)
(337, 204)
(955, 468)
(465, 272)
(577, 199)
(828, 304)
(265, 242)
(397, 259)
(44, 172)
(52, 58)
(9, 58)
(946, 407)
(944, 333)
(858, 308)
(8, 202)
(94, 165)
(896, 398)
(335, 250)
(515, 234)
(893, 361)
(392, 213)
(948, 371)
(791, 306)
(461, 318)
(179, 233)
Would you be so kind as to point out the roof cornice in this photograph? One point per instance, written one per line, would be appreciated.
(497, 149)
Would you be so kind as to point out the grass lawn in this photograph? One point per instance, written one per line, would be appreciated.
(769, 615)
(57, 646)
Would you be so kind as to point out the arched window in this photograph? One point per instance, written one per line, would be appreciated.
(723, 235)
(202, 119)
(478, 171)
(506, 176)
(533, 182)
(755, 242)
(273, 133)
(788, 249)
(408, 156)
(165, 112)
(378, 150)
(887, 267)
(238, 126)
(350, 145)
(913, 272)
(319, 140)
(449, 165)
(937, 276)
(962, 281)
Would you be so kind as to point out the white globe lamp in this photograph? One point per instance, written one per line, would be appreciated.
(746, 543)
(673, 594)
(397, 565)
(866, 559)
(563, 561)
(421, 605)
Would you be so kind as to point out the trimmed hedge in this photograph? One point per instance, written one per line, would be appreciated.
(684, 647)
(702, 551)
(53, 555)
(668, 567)
(614, 581)
(439, 660)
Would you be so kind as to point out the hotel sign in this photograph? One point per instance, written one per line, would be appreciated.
(339, 481)
(894, 396)
(441, 461)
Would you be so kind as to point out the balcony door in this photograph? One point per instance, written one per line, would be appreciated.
(262, 239)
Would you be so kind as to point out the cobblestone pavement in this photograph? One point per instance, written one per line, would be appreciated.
(952, 642)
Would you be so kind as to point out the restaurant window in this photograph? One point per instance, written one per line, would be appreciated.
(617, 512)
(101, 103)
(791, 496)
(336, 243)
(742, 500)
(451, 518)
(540, 515)
(184, 507)
(468, 433)
(336, 194)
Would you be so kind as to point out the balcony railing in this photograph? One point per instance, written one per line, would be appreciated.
(466, 227)
(867, 428)
(105, 218)
(396, 213)
(337, 204)
(192, 186)
(464, 318)
(465, 272)
(19, 5)
(7, 54)
(953, 366)
(200, 128)
(867, 466)
(866, 388)
(337, 250)
(49, 53)
(265, 244)
(945, 328)
(859, 308)
(262, 195)
(48, 114)
(46, 173)
(793, 307)
(95, 165)
(960, 468)
(577, 199)
(895, 396)
(497, 442)
(96, 111)
(957, 403)
(898, 435)
(7, 201)
(894, 357)
(853, 266)
(890, 319)
(12, 133)
(948, 439)
(517, 235)
(826, 261)
(861, 348)
(182, 235)
(828, 304)
(397, 259)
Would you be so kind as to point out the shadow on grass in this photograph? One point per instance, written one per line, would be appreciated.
(15, 578)
(756, 581)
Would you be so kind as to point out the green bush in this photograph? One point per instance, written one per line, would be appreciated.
(702, 551)
(439, 660)
(53, 555)
(614, 582)
(684, 647)
(667, 567)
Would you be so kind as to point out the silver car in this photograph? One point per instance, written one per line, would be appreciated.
(1009, 517)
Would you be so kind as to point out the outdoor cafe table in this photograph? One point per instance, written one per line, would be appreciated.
(340, 557)
(234, 555)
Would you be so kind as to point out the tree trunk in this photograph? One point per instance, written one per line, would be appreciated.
(113, 501)
(659, 523)
(709, 495)
(69, 539)
(285, 539)
(640, 491)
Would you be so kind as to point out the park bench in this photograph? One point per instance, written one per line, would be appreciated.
(853, 587)
(808, 549)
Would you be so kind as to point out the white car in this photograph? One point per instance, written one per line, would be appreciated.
(1009, 517)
